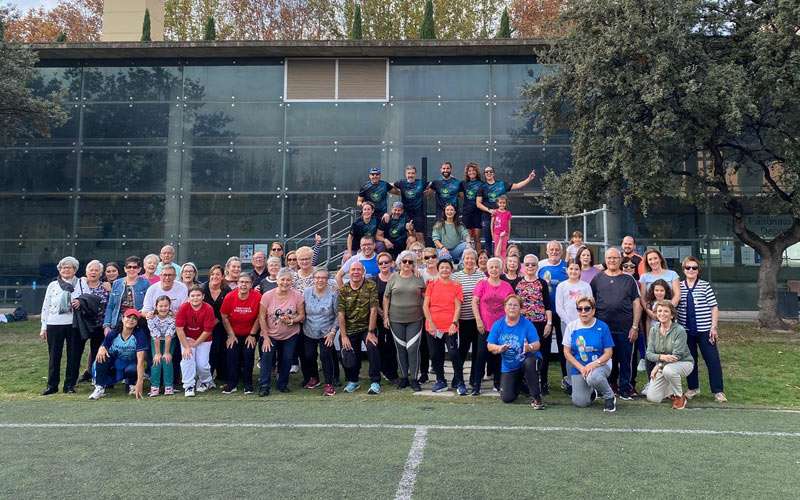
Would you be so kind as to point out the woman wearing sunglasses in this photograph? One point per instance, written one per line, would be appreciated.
(402, 315)
(698, 313)
(588, 347)
(386, 347)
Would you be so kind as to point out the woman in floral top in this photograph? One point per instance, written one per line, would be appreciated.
(535, 295)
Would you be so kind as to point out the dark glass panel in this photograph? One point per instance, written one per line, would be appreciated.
(233, 123)
(64, 82)
(436, 123)
(121, 216)
(234, 169)
(331, 168)
(258, 80)
(305, 210)
(233, 216)
(128, 124)
(25, 261)
(514, 163)
(36, 216)
(143, 83)
(346, 123)
(509, 75)
(37, 170)
(121, 170)
(442, 78)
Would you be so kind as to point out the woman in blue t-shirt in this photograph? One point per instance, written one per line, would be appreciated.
(588, 348)
(515, 339)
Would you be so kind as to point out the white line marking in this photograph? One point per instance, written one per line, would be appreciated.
(406, 487)
(244, 425)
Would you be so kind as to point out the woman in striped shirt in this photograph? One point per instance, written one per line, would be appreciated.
(469, 277)
(698, 314)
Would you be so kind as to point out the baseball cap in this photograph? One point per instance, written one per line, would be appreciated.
(374, 170)
(397, 204)
(131, 312)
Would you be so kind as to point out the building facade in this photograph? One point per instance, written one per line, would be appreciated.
(216, 147)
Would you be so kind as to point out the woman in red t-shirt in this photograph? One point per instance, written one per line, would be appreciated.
(442, 308)
(240, 317)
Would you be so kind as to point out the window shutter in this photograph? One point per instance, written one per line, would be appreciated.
(362, 79)
(311, 79)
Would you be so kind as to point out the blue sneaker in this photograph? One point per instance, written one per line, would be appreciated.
(351, 387)
(374, 388)
(439, 386)
(461, 389)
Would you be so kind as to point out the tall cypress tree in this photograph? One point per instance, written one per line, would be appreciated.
(356, 30)
(61, 38)
(428, 29)
(146, 26)
(2, 29)
(505, 26)
(210, 29)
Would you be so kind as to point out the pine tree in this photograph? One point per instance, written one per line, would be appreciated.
(2, 29)
(428, 29)
(146, 26)
(505, 26)
(61, 38)
(356, 30)
(210, 29)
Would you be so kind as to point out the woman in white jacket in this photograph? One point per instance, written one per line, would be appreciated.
(57, 330)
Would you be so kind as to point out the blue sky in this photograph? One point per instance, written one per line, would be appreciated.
(24, 5)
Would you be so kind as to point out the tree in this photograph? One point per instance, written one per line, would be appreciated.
(505, 27)
(22, 113)
(536, 18)
(356, 29)
(61, 38)
(146, 26)
(82, 19)
(646, 86)
(427, 30)
(210, 31)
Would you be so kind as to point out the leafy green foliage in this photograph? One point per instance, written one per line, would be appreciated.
(505, 26)
(427, 30)
(356, 29)
(61, 38)
(146, 26)
(210, 29)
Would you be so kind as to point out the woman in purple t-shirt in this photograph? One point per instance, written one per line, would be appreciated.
(487, 305)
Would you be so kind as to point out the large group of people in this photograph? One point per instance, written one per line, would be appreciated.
(404, 301)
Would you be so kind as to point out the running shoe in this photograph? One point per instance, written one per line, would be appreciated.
(131, 390)
(248, 391)
(626, 396)
(264, 392)
(374, 388)
(537, 404)
(169, 391)
(313, 383)
(228, 390)
(328, 390)
(189, 392)
(203, 388)
(294, 369)
(351, 387)
(439, 386)
(154, 392)
(476, 391)
(610, 405)
(415, 386)
(719, 397)
(98, 392)
(403, 383)
(461, 390)
(692, 393)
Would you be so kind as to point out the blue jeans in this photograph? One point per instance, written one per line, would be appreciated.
(114, 370)
(284, 349)
(455, 253)
(623, 350)
(710, 356)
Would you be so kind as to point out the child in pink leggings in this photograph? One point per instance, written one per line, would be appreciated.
(501, 227)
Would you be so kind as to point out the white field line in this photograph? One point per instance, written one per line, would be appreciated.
(415, 427)
(405, 488)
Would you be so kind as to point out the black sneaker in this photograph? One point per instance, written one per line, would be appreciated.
(49, 390)
(248, 391)
(415, 386)
(610, 405)
(264, 392)
(476, 391)
(403, 383)
(626, 396)
(283, 389)
(228, 390)
(69, 390)
(423, 379)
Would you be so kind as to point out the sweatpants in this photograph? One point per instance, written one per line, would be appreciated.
(388, 353)
(668, 381)
(546, 347)
(197, 367)
(373, 355)
(621, 360)
(241, 359)
(486, 361)
(59, 338)
(468, 344)
(710, 357)
(162, 368)
(283, 351)
(596, 381)
(511, 382)
(218, 358)
(327, 357)
(407, 339)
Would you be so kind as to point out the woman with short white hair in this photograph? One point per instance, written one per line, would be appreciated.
(57, 330)
(92, 283)
(271, 281)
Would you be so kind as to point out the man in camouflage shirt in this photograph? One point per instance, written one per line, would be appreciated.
(358, 315)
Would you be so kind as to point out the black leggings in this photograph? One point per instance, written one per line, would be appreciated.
(511, 382)
(468, 333)
(485, 358)
(327, 356)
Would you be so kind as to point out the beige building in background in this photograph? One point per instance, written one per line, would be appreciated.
(122, 20)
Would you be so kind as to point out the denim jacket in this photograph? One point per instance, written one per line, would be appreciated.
(115, 299)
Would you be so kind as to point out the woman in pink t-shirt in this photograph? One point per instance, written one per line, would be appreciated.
(487, 305)
(280, 316)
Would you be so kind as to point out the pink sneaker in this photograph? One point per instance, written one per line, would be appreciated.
(154, 392)
(168, 391)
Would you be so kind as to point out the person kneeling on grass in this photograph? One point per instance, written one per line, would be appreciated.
(122, 357)
(515, 339)
(194, 322)
(666, 346)
(588, 347)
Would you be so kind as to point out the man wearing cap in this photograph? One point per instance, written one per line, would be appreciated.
(395, 231)
(446, 189)
(375, 191)
(412, 194)
(122, 356)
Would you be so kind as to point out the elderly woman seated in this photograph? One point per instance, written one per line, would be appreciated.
(667, 348)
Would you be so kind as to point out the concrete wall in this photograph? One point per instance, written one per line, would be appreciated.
(122, 20)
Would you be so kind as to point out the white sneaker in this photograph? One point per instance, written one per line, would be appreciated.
(189, 392)
(202, 388)
(99, 392)
(294, 369)
(691, 393)
(642, 366)
(132, 390)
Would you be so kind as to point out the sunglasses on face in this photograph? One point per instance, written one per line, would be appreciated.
(429, 257)
(531, 264)
(628, 266)
(277, 249)
(583, 309)
(292, 260)
(690, 268)
(488, 171)
(384, 262)
(407, 261)
(131, 267)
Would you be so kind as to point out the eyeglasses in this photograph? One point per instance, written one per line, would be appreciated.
(168, 275)
(277, 250)
(384, 262)
(429, 257)
(584, 309)
(406, 261)
(628, 266)
(291, 260)
(531, 264)
(690, 268)
(488, 171)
